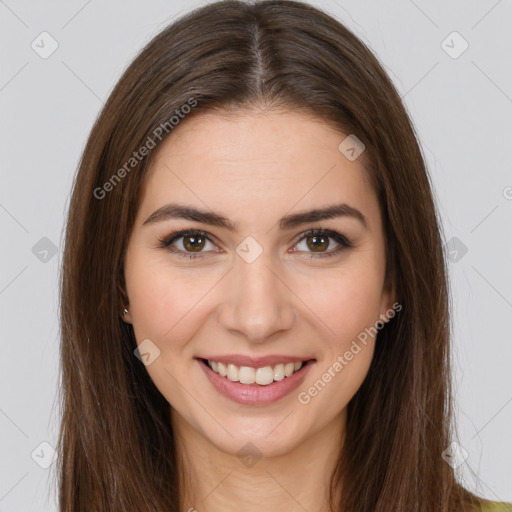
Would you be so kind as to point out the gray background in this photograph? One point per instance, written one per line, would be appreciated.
(461, 108)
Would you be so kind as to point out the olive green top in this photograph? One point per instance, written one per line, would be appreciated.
(496, 506)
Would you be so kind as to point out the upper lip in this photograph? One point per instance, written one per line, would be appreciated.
(255, 362)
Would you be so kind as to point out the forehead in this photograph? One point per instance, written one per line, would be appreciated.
(252, 137)
(256, 161)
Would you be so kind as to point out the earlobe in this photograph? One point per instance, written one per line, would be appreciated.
(125, 315)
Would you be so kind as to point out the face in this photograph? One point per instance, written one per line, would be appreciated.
(248, 286)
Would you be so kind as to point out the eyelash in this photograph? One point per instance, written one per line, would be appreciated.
(166, 242)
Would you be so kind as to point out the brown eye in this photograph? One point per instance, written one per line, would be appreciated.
(317, 241)
(194, 242)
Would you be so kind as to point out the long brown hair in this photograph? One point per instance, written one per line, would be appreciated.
(117, 451)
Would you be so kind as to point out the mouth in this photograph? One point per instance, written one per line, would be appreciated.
(251, 375)
(251, 385)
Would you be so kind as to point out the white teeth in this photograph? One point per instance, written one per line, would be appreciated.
(265, 375)
(288, 369)
(248, 375)
(233, 372)
(222, 369)
(279, 372)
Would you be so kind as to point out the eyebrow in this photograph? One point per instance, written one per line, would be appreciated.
(177, 211)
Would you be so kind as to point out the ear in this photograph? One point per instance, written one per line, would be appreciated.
(126, 317)
(124, 302)
(388, 303)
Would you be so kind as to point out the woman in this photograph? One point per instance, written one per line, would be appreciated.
(254, 295)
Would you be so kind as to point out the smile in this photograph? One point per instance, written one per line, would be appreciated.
(251, 385)
(250, 375)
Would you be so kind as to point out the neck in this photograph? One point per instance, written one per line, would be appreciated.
(216, 481)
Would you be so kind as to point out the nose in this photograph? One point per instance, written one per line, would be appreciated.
(256, 302)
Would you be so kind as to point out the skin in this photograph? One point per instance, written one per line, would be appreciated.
(254, 167)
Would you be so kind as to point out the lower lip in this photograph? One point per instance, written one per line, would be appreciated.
(254, 394)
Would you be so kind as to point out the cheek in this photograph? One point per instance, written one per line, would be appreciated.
(349, 308)
(333, 389)
(165, 304)
(345, 302)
